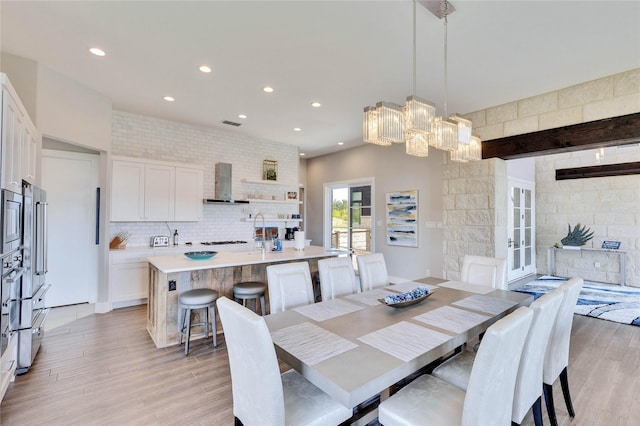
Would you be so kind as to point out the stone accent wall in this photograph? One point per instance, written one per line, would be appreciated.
(474, 212)
(610, 206)
(157, 139)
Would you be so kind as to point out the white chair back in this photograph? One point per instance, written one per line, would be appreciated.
(481, 270)
(529, 380)
(557, 354)
(337, 277)
(373, 271)
(289, 286)
(489, 396)
(255, 376)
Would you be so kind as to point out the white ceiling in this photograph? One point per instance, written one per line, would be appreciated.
(344, 54)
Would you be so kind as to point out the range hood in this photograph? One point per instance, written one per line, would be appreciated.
(223, 187)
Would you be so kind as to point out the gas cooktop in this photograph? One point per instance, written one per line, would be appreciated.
(219, 243)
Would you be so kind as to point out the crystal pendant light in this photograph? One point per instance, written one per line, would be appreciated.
(390, 125)
(370, 127)
(464, 128)
(418, 114)
(460, 155)
(417, 143)
(445, 134)
(475, 149)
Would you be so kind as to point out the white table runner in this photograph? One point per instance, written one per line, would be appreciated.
(326, 310)
(471, 288)
(487, 304)
(404, 340)
(409, 285)
(452, 319)
(310, 343)
(369, 298)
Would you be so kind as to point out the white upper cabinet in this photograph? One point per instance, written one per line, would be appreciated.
(189, 194)
(30, 140)
(155, 192)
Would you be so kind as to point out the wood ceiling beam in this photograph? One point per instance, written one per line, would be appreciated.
(603, 133)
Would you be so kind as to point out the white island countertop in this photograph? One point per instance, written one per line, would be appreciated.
(181, 263)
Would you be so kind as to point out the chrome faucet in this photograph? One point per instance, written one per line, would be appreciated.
(264, 235)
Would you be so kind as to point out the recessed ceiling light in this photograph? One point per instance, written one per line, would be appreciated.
(97, 52)
(316, 104)
(242, 116)
(340, 143)
(297, 129)
(169, 98)
(302, 154)
(267, 89)
(205, 68)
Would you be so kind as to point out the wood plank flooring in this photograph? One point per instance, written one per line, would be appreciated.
(105, 370)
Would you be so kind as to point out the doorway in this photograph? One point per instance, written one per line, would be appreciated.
(521, 229)
(71, 180)
(349, 208)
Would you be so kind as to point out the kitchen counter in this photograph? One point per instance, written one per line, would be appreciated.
(181, 263)
(170, 275)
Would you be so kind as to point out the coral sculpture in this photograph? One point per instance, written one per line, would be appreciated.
(578, 237)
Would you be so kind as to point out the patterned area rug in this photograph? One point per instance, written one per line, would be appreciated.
(605, 301)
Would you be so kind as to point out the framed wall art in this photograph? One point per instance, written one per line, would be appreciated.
(402, 218)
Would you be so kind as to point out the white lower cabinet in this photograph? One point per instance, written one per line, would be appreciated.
(8, 364)
(128, 277)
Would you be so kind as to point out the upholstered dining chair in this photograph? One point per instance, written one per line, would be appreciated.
(337, 277)
(528, 390)
(289, 286)
(482, 270)
(489, 396)
(556, 359)
(373, 271)
(261, 395)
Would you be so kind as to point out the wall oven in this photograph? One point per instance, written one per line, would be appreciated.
(11, 221)
(11, 267)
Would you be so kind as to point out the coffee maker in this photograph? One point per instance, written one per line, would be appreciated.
(290, 233)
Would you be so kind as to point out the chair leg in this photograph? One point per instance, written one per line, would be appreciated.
(263, 306)
(548, 398)
(186, 344)
(214, 325)
(537, 411)
(180, 324)
(564, 382)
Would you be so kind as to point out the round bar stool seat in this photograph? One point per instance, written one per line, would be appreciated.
(250, 290)
(199, 298)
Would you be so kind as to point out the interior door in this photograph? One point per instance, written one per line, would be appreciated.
(71, 179)
(521, 222)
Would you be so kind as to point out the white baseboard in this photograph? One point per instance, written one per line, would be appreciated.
(103, 307)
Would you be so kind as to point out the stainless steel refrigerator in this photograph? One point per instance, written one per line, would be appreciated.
(34, 282)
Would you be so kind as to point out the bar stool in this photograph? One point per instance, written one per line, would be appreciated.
(199, 298)
(250, 290)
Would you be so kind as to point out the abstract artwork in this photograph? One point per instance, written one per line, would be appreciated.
(402, 218)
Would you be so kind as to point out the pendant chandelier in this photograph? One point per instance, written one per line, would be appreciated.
(415, 124)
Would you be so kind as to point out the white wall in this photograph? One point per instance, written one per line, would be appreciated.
(157, 139)
(393, 171)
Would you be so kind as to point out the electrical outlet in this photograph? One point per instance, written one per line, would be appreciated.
(597, 264)
(172, 285)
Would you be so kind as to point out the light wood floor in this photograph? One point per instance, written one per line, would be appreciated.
(105, 370)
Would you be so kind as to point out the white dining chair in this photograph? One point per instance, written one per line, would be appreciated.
(482, 270)
(373, 271)
(337, 277)
(489, 395)
(289, 286)
(556, 358)
(528, 389)
(261, 395)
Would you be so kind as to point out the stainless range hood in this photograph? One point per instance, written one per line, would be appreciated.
(223, 187)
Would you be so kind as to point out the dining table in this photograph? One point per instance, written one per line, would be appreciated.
(356, 347)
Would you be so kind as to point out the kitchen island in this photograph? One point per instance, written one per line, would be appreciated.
(171, 275)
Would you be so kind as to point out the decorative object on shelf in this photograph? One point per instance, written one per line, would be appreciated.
(200, 255)
(577, 237)
(415, 123)
(611, 245)
(270, 170)
(402, 218)
(119, 241)
(292, 195)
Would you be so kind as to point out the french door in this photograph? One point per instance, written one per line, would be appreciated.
(348, 212)
(521, 222)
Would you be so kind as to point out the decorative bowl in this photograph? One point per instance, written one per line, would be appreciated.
(200, 255)
(406, 303)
